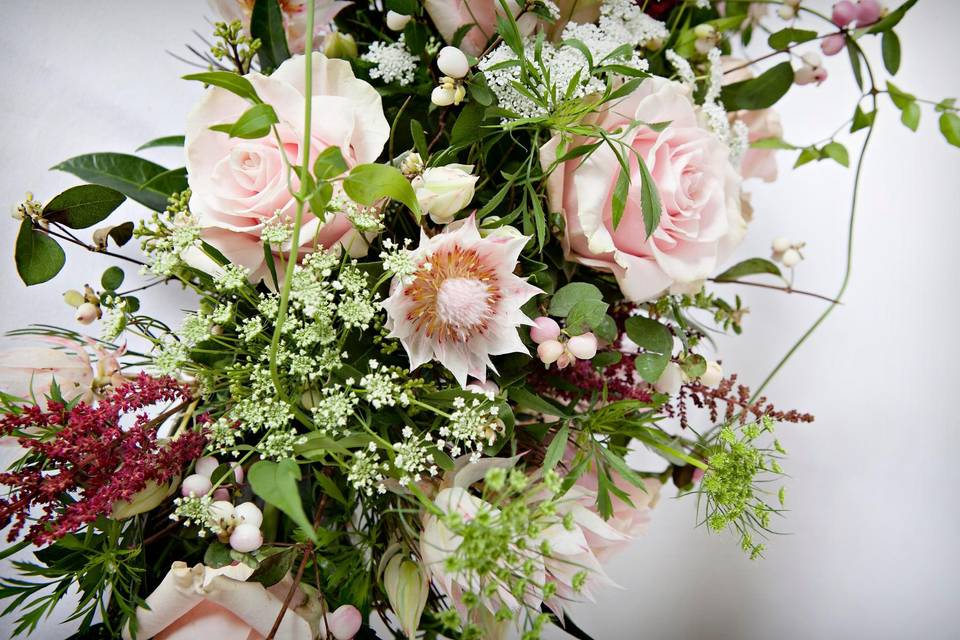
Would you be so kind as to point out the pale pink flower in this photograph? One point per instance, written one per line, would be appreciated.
(449, 16)
(294, 18)
(240, 185)
(761, 123)
(203, 602)
(700, 222)
(463, 303)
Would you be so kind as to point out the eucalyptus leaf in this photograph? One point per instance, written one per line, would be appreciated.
(657, 343)
(112, 278)
(83, 206)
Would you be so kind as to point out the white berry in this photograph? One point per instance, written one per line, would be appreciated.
(248, 513)
(206, 466)
(453, 62)
(791, 258)
(397, 21)
(781, 244)
(196, 485)
(246, 538)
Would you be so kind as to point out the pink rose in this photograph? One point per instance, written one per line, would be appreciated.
(294, 17)
(450, 15)
(762, 123)
(239, 185)
(700, 222)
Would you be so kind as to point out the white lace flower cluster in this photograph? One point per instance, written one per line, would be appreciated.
(366, 471)
(391, 62)
(566, 72)
(382, 387)
(472, 426)
(398, 259)
(332, 412)
(413, 458)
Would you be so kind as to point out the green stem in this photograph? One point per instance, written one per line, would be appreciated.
(300, 196)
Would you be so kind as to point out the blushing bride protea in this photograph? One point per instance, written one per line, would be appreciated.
(462, 305)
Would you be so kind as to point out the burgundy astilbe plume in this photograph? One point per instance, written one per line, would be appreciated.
(82, 461)
(731, 401)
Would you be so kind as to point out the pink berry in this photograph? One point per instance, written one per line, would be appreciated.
(833, 44)
(237, 472)
(248, 513)
(868, 12)
(246, 538)
(196, 485)
(544, 329)
(344, 622)
(843, 13)
(549, 351)
(583, 347)
(206, 466)
(221, 494)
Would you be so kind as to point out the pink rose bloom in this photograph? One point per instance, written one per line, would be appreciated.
(203, 602)
(700, 222)
(239, 185)
(450, 15)
(462, 305)
(294, 17)
(761, 123)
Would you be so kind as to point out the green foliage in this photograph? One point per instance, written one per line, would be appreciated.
(278, 484)
(255, 122)
(890, 48)
(368, 183)
(83, 206)
(266, 24)
(112, 278)
(749, 267)
(38, 256)
(146, 182)
(760, 92)
(656, 342)
(784, 38)
(166, 141)
(568, 296)
(228, 80)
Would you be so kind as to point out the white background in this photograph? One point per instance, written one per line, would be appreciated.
(872, 547)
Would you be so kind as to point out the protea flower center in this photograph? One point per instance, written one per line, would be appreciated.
(454, 295)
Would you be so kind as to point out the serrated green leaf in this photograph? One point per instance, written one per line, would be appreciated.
(83, 206)
(38, 256)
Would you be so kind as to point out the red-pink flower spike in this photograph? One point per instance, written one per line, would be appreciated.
(83, 453)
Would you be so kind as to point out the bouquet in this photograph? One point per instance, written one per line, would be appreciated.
(453, 261)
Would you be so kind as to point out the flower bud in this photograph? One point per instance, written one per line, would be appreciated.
(544, 329)
(412, 165)
(583, 347)
(442, 96)
(146, 499)
(87, 313)
(791, 258)
(670, 380)
(206, 465)
(246, 538)
(704, 30)
(549, 351)
(195, 485)
(397, 21)
(444, 191)
(713, 375)
(833, 44)
(345, 622)
(868, 12)
(787, 12)
(74, 298)
(407, 589)
(248, 513)
(780, 244)
(453, 62)
(843, 13)
(339, 45)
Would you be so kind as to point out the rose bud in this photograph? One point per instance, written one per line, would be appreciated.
(583, 347)
(397, 21)
(444, 191)
(246, 538)
(453, 62)
(549, 351)
(833, 44)
(544, 329)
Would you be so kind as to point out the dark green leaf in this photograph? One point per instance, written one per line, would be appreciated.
(368, 183)
(217, 555)
(112, 278)
(126, 174)
(273, 568)
(121, 233)
(419, 139)
(838, 152)
(467, 127)
(567, 296)
(277, 484)
(415, 36)
(890, 47)
(657, 343)
(605, 359)
(750, 267)
(536, 403)
(83, 206)
(853, 50)
(403, 7)
(620, 193)
(760, 92)
(166, 141)
(910, 116)
(585, 315)
(170, 181)
(254, 123)
(893, 18)
(266, 23)
(329, 164)
(38, 256)
(649, 199)
(785, 37)
(607, 329)
(950, 127)
(227, 80)
(479, 91)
